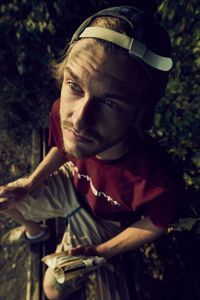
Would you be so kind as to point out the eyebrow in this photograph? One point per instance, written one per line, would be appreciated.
(106, 95)
(115, 96)
(72, 74)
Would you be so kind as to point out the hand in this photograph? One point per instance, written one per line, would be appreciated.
(94, 250)
(84, 250)
(13, 192)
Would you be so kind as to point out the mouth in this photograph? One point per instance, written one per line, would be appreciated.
(77, 137)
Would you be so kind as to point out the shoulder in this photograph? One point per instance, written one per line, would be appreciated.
(54, 115)
(156, 164)
(55, 134)
(55, 108)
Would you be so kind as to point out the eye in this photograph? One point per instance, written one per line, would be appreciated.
(74, 87)
(111, 103)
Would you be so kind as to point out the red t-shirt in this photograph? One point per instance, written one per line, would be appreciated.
(143, 182)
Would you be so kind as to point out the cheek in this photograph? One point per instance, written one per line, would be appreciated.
(65, 97)
(66, 108)
(118, 124)
(64, 113)
(67, 93)
(125, 118)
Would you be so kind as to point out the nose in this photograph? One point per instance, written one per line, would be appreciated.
(83, 115)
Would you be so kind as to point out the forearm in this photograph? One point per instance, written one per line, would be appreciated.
(131, 238)
(52, 161)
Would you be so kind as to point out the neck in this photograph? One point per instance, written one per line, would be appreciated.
(116, 151)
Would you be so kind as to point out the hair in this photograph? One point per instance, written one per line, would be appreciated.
(107, 22)
(146, 30)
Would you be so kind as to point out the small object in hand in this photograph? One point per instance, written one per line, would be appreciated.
(67, 267)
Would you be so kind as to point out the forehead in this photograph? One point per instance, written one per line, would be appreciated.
(89, 58)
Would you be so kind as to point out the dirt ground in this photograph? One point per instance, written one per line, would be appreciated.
(16, 264)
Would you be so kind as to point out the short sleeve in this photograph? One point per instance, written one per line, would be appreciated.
(164, 209)
(55, 135)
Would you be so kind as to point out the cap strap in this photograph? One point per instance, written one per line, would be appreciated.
(135, 47)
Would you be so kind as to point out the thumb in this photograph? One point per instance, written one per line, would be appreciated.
(76, 250)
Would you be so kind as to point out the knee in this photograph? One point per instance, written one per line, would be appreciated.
(55, 291)
(50, 286)
(51, 293)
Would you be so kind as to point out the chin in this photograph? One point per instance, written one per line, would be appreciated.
(80, 152)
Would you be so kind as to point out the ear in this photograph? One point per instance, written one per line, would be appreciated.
(144, 116)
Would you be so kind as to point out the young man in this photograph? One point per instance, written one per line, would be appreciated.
(118, 188)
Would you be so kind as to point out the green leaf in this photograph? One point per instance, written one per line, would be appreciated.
(185, 224)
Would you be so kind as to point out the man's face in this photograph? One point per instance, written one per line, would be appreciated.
(99, 99)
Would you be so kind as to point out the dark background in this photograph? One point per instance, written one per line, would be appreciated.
(33, 34)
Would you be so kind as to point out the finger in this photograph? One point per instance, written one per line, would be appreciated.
(5, 202)
(7, 196)
(3, 205)
(90, 251)
(76, 251)
(2, 190)
(6, 191)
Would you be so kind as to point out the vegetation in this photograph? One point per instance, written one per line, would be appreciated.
(33, 34)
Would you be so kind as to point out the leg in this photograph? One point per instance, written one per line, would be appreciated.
(30, 231)
(55, 291)
(50, 286)
(108, 282)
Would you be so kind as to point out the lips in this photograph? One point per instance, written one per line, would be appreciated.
(77, 137)
(80, 138)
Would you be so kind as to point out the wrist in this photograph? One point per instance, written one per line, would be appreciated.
(103, 250)
(29, 183)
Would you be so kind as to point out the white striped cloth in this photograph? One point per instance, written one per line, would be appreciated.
(56, 197)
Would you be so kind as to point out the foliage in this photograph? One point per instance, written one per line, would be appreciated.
(32, 36)
(33, 33)
(15, 157)
(177, 120)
